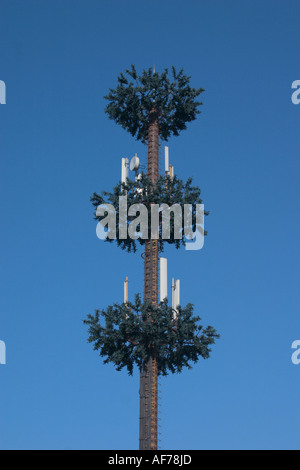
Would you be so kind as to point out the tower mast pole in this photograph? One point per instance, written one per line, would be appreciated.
(148, 376)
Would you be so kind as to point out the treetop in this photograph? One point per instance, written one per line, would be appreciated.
(135, 96)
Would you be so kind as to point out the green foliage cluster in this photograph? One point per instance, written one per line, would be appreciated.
(166, 191)
(130, 334)
(136, 96)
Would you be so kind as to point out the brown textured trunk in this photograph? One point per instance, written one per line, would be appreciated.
(148, 376)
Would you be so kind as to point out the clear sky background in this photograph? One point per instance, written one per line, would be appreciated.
(58, 58)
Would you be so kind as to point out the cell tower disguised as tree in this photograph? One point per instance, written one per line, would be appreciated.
(151, 106)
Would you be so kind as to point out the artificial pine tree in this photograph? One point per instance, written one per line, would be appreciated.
(151, 106)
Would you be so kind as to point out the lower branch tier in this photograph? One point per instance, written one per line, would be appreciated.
(133, 333)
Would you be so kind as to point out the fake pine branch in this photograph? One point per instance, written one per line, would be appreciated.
(130, 334)
(167, 191)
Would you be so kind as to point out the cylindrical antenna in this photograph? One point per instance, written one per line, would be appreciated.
(177, 293)
(175, 297)
(167, 160)
(163, 279)
(126, 291)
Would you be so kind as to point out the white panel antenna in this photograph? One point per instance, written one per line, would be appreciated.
(171, 171)
(125, 170)
(175, 297)
(126, 291)
(163, 279)
(167, 160)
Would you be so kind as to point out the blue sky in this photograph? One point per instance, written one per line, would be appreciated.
(58, 59)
